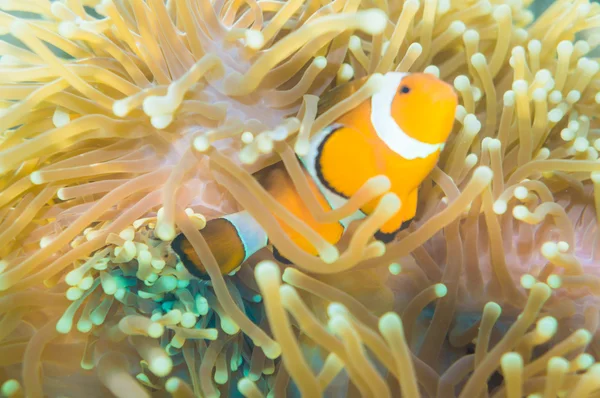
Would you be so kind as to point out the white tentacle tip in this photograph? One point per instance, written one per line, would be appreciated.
(19, 28)
(373, 21)
(67, 29)
(254, 39)
(162, 121)
(201, 144)
(389, 323)
(267, 270)
(484, 173)
(36, 178)
(330, 254)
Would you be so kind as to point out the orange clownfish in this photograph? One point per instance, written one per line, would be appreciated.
(398, 132)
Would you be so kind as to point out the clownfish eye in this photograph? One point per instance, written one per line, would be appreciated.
(404, 90)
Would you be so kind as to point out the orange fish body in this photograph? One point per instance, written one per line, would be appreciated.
(278, 183)
(399, 132)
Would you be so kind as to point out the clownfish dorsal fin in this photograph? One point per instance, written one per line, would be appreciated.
(232, 239)
(332, 97)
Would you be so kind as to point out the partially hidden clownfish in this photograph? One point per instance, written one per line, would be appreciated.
(398, 132)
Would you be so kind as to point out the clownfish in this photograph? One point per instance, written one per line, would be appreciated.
(398, 132)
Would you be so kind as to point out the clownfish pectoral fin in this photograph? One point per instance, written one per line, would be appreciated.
(232, 239)
(401, 220)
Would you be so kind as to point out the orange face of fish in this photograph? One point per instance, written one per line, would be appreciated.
(413, 113)
(424, 107)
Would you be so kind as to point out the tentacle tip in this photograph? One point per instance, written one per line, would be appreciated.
(247, 137)
(320, 62)
(478, 60)
(244, 384)
(584, 336)
(391, 202)
(382, 182)
(272, 350)
(64, 325)
(67, 29)
(120, 108)
(509, 98)
(287, 291)
(302, 147)
(10, 388)
(594, 370)
(461, 82)
(484, 173)
(555, 115)
(36, 178)
(201, 144)
(376, 80)
(511, 360)
(155, 330)
(161, 122)
(161, 366)
(458, 27)
(527, 281)
(543, 289)
(19, 28)
(549, 249)
(395, 268)
(411, 6)
(230, 327)
(441, 290)
(165, 232)
(346, 72)
(520, 212)
(84, 326)
(373, 21)
(336, 309)
(390, 321)
(375, 249)
(547, 326)
(502, 11)
(266, 270)
(254, 39)
(493, 307)
(330, 254)
(172, 385)
(558, 363)
(471, 35)
(288, 275)
(354, 43)
(432, 70)
(521, 193)
(56, 8)
(520, 87)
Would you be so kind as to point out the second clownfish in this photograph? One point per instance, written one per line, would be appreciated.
(398, 132)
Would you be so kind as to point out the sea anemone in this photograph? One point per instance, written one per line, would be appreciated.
(127, 122)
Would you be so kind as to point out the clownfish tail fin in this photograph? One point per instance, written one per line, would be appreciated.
(232, 239)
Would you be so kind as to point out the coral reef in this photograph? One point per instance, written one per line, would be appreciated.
(124, 123)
